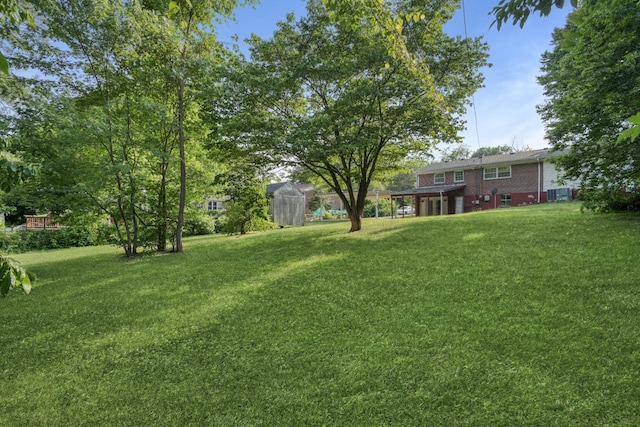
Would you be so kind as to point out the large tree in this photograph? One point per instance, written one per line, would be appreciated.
(117, 117)
(591, 81)
(330, 96)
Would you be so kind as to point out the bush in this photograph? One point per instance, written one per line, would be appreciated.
(105, 234)
(199, 226)
(610, 200)
(384, 208)
(227, 226)
(328, 215)
(18, 242)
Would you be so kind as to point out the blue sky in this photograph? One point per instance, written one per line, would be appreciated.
(505, 107)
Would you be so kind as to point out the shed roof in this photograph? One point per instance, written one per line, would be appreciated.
(272, 188)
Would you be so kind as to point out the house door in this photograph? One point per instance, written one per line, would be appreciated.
(459, 204)
(423, 207)
(439, 206)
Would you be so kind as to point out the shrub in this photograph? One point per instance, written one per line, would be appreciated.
(384, 208)
(18, 242)
(610, 200)
(199, 225)
(328, 215)
(104, 234)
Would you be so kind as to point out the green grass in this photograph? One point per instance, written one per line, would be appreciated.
(521, 316)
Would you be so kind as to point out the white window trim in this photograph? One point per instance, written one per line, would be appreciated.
(435, 180)
(215, 205)
(455, 174)
(496, 171)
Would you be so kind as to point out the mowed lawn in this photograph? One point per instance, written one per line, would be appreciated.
(520, 316)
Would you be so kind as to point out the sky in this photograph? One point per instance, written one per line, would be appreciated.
(505, 108)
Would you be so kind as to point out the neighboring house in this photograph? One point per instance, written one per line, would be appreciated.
(216, 204)
(487, 182)
(286, 204)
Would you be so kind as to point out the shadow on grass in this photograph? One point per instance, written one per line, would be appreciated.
(448, 321)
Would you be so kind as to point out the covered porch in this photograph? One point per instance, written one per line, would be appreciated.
(432, 200)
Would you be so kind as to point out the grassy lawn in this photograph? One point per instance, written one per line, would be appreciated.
(521, 316)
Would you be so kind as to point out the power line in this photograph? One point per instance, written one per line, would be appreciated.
(473, 97)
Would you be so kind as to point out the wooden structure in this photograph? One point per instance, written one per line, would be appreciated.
(286, 204)
(40, 222)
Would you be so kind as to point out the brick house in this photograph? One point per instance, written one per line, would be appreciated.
(488, 182)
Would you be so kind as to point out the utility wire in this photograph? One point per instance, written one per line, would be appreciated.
(473, 97)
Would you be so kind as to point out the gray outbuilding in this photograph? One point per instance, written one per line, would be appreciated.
(286, 204)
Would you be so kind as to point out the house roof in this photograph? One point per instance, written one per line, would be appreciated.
(532, 156)
(304, 187)
(433, 189)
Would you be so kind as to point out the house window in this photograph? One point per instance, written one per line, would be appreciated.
(458, 176)
(490, 173)
(438, 178)
(504, 172)
(505, 200)
(498, 172)
(212, 205)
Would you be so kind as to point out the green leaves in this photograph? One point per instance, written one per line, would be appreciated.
(128, 89)
(345, 103)
(174, 9)
(13, 172)
(519, 10)
(13, 276)
(590, 81)
(633, 132)
(4, 64)
(13, 12)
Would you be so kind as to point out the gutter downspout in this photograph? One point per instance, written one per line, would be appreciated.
(538, 180)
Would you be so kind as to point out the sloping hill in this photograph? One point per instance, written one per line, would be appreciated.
(521, 316)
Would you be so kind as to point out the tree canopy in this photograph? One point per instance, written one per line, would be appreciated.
(330, 97)
(114, 117)
(591, 82)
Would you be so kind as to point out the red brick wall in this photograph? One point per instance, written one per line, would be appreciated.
(425, 180)
(523, 179)
(523, 186)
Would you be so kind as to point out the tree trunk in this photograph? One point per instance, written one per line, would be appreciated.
(181, 137)
(183, 166)
(162, 209)
(356, 221)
